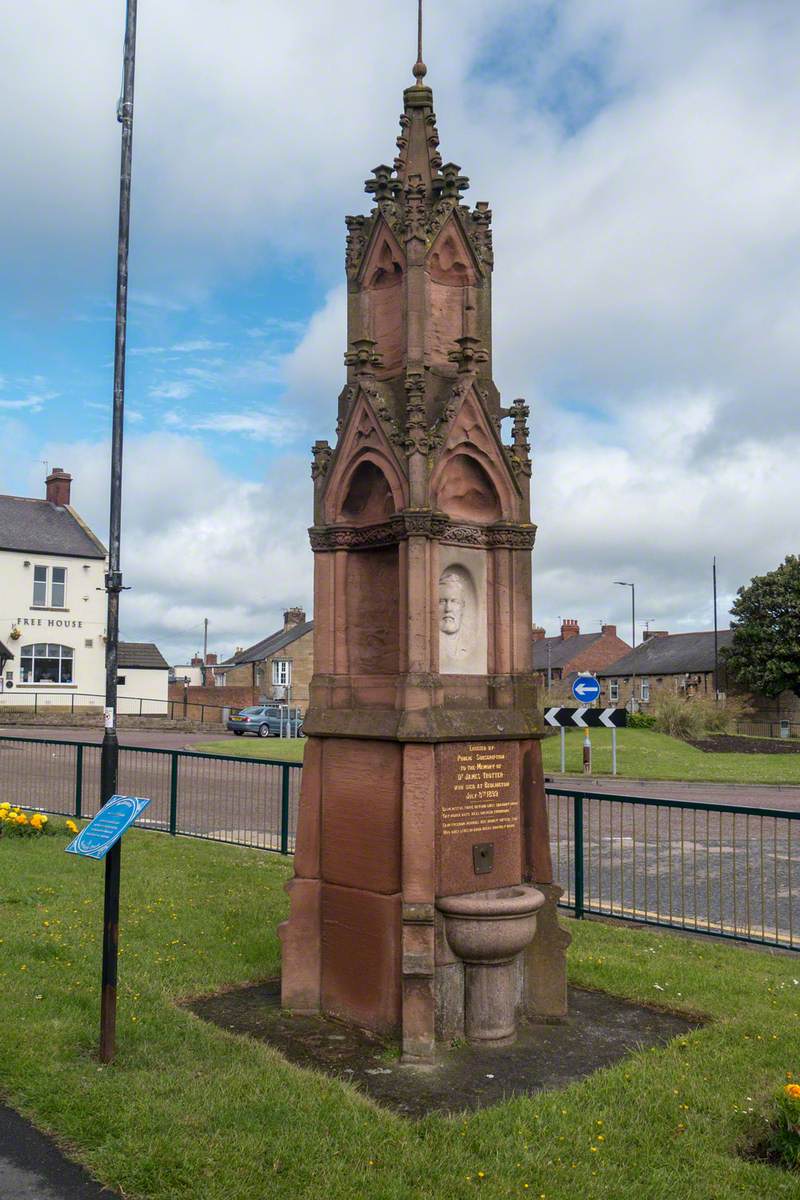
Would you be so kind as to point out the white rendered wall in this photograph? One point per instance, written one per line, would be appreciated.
(82, 620)
(149, 686)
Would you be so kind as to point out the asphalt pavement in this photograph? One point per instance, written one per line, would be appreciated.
(33, 1168)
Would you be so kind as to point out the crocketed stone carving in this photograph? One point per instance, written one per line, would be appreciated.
(417, 441)
(428, 524)
(322, 452)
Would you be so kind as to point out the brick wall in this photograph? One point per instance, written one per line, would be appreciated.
(216, 698)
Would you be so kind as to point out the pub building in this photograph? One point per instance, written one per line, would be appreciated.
(53, 611)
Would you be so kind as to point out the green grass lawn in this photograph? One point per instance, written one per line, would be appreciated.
(278, 749)
(645, 754)
(190, 1112)
(641, 754)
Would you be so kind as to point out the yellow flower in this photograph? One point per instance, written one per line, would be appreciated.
(792, 1090)
(22, 819)
(5, 804)
(72, 827)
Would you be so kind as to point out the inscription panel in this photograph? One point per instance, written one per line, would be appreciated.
(478, 803)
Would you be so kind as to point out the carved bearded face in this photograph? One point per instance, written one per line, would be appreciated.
(451, 603)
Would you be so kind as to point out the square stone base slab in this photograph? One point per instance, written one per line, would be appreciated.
(599, 1031)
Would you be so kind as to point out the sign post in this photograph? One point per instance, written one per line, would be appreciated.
(102, 838)
(587, 718)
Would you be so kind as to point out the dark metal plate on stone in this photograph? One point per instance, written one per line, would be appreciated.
(483, 857)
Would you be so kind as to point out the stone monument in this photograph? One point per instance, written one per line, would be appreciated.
(423, 900)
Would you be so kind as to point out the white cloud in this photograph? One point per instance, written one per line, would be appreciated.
(174, 390)
(198, 542)
(195, 345)
(641, 164)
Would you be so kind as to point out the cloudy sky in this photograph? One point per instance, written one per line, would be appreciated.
(641, 160)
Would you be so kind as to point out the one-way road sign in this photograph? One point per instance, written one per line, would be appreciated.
(581, 718)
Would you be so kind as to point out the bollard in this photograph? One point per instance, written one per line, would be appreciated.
(587, 754)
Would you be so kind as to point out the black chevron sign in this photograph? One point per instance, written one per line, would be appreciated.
(583, 718)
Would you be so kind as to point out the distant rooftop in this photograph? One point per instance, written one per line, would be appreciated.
(41, 527)
(144, 655)
(562, 650)
(269, 646)
(671, 654)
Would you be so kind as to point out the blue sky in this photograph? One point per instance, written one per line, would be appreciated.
(641, 165)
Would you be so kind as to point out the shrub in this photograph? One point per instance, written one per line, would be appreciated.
(16, 823)
(693, 718)
(678, 717)
(785, 1137)
(640, 720)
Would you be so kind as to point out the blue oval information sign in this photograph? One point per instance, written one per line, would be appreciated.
(108, 826)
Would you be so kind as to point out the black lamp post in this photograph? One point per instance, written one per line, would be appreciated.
(632, 586)
(110, 752)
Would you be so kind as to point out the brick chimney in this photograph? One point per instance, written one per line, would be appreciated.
(58, 485)
(610, 630)
(196, 661)
(211, 659)
(538, 633)
(293, 616)
(651, 633)
(569, 629)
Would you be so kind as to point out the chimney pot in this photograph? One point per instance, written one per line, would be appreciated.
(293, 616)
(538, 633)
(57, 487)
(569, 628)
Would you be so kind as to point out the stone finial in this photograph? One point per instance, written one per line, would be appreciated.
(469, 354)
(383, 186)
(363, 357)
(452, 183)
(321, 451)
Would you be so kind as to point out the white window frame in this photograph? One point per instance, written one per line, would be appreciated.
(644, 691)
(282, 672)
(613, 692)
(45, 655)
(49, 585)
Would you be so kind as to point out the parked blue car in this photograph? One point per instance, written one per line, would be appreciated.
(265, 720)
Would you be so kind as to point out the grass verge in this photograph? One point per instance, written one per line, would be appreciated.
(645, 754)
(279, 749)
(189, 1111)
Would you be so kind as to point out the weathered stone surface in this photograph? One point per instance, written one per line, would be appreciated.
(545, 959)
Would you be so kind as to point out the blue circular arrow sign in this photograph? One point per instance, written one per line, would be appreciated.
(585, 689)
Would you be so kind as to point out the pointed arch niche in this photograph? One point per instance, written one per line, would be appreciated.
(383, 293)
(465, 491)
(450, 274)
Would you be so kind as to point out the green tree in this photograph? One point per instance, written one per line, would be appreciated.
(765, 654)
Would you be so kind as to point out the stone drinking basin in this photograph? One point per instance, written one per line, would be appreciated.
(487, 931)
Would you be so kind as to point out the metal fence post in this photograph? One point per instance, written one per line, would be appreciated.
(79, 782)
(285, 808)
(173, 794)
(578, 828)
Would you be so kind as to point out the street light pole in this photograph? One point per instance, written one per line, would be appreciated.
(632, 586)
(113, 581)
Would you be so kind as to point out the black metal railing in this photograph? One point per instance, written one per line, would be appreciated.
(243, 801)
(768, 729)
(722, 869)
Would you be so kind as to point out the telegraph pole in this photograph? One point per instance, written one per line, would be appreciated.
(113, 581)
